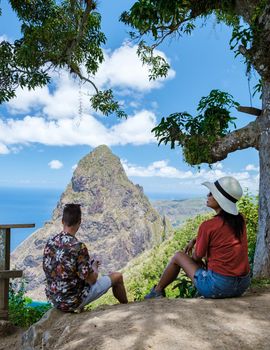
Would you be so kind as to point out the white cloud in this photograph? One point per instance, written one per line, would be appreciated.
(218, 165)
(86, 130)
(122, 70)
(189, 179)
(252, 167)
(135, 129)
(74, 166)
(4, 149)
(61, 103)
(134, 104)
(155, 169)
(27, 100)
(61, 114)
(55, 164)
(4, 37)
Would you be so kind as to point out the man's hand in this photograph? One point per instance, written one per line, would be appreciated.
(95, 265)
(92, 276)
(189, 246)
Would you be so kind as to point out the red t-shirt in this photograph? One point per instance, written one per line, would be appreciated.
(225, 254)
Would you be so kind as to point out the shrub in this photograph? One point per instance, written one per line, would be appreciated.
(248, 206)
(20, 312)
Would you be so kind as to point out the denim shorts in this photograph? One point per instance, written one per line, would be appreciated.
(214, 285)
(102, 285)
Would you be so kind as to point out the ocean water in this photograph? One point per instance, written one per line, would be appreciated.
(27, 206)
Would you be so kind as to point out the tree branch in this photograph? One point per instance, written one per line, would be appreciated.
(87, 80)
(161, 39)
(89, 7)
(243, 50)
(250, 110)
(237, 140)
(168, 30)
(245, 8)
(202, 7)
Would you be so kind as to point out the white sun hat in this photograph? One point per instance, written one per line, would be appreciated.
(226, 191)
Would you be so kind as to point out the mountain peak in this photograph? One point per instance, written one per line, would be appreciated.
(118, 221)
(102, 149)
(98, 167)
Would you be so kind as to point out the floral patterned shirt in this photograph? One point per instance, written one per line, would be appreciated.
(66, 264)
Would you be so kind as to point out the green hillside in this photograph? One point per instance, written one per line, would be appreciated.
(143, 272)
(178, 211)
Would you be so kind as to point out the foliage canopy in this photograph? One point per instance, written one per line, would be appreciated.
(160, 19)
(55, 34)
(192, 133)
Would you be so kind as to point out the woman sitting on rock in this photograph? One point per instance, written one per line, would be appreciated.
(221, 241)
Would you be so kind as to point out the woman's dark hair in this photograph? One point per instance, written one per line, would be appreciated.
(71, 214)
(236, 222)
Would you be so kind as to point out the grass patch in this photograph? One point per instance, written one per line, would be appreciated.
(260, 282)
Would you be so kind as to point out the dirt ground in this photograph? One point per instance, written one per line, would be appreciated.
(12, 341)
(162, 324)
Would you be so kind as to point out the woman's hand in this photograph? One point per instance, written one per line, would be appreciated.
(188, 249)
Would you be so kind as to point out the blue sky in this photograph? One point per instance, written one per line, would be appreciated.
(43, 135)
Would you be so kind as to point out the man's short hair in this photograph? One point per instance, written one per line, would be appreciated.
(71, 214)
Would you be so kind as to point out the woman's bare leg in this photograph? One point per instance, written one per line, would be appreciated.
(178, 261)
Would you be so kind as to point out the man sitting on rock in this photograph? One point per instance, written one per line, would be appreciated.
(72, 279)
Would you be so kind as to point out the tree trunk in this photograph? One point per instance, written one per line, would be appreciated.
(262, 254)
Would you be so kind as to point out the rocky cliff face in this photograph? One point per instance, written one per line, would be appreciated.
(118, 221)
